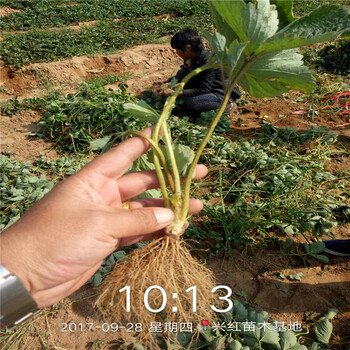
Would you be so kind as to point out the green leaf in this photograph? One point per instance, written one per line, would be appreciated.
(271, 337)
(12, 221)
(317, 247)
(197, 344)
(219, 343)
(100, 143)
(326, 23)
(322, 258)
(287, 340)
(110, 260)
(234, 53)
(323, 330)
(227, 316)
(150, 194)
(250, 341)
(250, 22)
(218, 43)
(142, 111)
(282, 289)
(97, 279)
(276, 73)
(184, 156)
(16, 198)
(173, 82)
(324, 19)
(142, 163)
(184, 338)
(324, 327)
(262, 316)
(289, 229)
(240, 311)
(296, 276)
(285, 13)
(206, 333)
(315, 346)
(242, 293)
(235, 345)
(289, 241)
(299, 347)
(331, 313)
(280, 275)
(262, 20)
(228, 19)
(119, 255)
(307, 248)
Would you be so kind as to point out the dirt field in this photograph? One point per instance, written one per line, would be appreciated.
(322, 286)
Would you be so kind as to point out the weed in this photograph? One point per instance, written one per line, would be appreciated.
(35, 16)
(333, 57)
(302, 7)
(272, 187)
(104, 37)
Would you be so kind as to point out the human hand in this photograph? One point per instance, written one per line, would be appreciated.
(62, 240)
(167, 92)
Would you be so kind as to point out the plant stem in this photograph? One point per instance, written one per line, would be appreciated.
(159, 171)
(162, 124)
(168, 143)
(204, 142)
(198, 154)
(159, 153)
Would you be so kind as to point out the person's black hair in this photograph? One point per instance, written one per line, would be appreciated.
(187, 37)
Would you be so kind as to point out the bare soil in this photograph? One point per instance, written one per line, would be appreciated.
(77, 27)
(322, 285)
(142, 65)
(4, 11)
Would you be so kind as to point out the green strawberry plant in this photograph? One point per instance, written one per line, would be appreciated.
(243, 328)
(253, 49)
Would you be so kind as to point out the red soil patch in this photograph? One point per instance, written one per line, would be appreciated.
(15, 137)
(4, 11)
(77, 27)
(142, 65)
(147, 63)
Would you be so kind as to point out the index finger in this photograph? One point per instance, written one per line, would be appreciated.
(115, 162)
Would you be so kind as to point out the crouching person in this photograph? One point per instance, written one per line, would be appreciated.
(204, 92)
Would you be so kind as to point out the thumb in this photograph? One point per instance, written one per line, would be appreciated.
(140, 221)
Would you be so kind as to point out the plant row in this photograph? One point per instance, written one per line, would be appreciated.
(40, 14)
(104, 37)
(25, 4)
(48, 14)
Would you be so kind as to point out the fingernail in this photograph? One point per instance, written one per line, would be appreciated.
(163, 215)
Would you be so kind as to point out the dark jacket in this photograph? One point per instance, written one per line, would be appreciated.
(209, 81)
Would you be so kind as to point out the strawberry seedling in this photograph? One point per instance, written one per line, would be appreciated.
(257, 51)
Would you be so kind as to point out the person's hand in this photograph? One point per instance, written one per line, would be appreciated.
(167, 92)
(62, 240)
